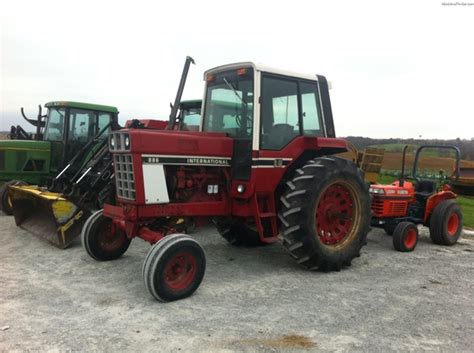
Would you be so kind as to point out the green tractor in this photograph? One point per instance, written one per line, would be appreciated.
(56, 213)
(61, 134)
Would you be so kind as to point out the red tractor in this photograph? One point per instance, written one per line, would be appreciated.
(401, 206)
(262, 167)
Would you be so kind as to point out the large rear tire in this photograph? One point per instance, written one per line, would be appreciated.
(325, 214)
(174, 267)
(5, 202)
(102, 240)
(446, 223)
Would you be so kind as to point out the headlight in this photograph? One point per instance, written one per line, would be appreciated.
(127, 142)
(112, 142)
(377, 191)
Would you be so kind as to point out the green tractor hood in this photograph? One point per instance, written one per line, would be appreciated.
(26, 160)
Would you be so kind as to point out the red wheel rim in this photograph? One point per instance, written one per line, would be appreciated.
(180, 271)
(334, 214)
(110, 237)
(453, 224)
(410, 238)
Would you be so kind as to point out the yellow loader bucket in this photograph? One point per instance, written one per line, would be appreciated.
(47, 215)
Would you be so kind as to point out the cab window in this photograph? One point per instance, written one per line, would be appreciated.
(280, 117)
(311, 112)
(103, 120)
(82, 125)
(229, 104)
(55, 124)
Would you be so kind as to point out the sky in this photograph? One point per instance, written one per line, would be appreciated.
(401, 69)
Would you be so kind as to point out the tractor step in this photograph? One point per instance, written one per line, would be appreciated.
(266, 217)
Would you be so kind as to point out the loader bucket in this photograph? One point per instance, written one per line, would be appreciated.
(47, 215)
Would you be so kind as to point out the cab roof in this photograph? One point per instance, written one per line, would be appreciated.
(263, 68)
(81, 105)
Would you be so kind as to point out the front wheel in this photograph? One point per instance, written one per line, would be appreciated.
(174, 267)
(405, 236)
(102, 240)
(325, 214)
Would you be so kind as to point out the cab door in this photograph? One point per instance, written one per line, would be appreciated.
(290, 108)
(82, 128)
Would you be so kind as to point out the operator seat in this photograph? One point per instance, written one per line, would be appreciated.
(424, 189)
(279, 136)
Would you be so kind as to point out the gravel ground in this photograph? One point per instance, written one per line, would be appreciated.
(250, 300)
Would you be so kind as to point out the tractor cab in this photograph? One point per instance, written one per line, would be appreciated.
(268, 106)
(189, 116)
(271, 114)
(71, 125)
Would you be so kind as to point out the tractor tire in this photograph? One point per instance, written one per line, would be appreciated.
(174, 268)
(405, 236)
(101, 241)
(325, 214)
(5, 202)
(238, 233)
(446, 223)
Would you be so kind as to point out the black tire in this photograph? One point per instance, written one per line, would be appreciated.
(303, 202)
(5, 203)
(162, 270)
(446, 223)
(101, 241)
(238, 233)
(405, 236)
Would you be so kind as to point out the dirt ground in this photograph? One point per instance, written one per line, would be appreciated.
(251, 299)
(393, 161)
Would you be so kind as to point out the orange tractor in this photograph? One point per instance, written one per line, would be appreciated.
(399, 207)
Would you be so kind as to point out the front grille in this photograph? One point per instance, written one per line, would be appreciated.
(384, 207)
(398, 208)
(377, 206)
(124, 176)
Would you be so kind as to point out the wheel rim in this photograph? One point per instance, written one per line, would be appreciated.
(453, 224)
(410, 238)
(180, 271)
(334, 214)
(110, 237)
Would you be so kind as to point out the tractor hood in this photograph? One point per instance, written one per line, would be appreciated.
(171, 142)
(25, 160)
(24, 145)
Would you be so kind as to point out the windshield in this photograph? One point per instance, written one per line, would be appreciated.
(55, 125)
(229, 103)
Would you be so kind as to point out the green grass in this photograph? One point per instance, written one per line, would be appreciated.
(467, 206)
(394, 147)
(386, 179)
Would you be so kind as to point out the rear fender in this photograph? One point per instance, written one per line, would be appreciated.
(302, 160)
(434, 200)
